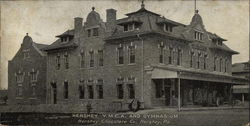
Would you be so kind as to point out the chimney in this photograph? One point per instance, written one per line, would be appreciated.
(111, 15)
(78, 26)
(111, 19)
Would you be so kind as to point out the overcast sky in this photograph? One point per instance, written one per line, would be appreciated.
(43, 20)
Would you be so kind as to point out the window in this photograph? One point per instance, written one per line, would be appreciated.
(131, 52)
(26, 54)
(33, 90)
(90, 92)
(225, 70)
(66, 90)
(66, 61)
(19, 91)
(58, 62)
(219, 42)
(64, 39)
(129, 27)
(33, 75)
(81, 89)
(91, 59)
(95, 32)
(89, 32)
(120, 91)
(198, 60)
(220, 64)
(191, 58)
(100, 56)
(179, 56)
(19, 77)
(168, 28)
(198, 35)
(161, 53)
(82, 59)
(120, 55)
(131, 91)
(215, 59)
(99, 88)
(205, 61)
(170, 57)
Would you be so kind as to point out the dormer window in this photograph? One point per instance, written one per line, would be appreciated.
(167, 28)
(198, 35)
(130, 27)
(219, 42)
(64, 39)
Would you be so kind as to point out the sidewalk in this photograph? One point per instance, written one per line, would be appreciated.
(174, 109)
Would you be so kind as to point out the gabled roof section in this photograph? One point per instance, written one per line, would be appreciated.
(39, 48)
(142, 10)
(223, 47)
(59, 45)
(67, 33)
(129, 20)
(215, 36)
(162, 20)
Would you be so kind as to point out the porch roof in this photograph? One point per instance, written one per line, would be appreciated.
(163, 71)
(241, 89)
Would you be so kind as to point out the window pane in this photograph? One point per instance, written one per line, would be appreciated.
(89, 32)
(100, 53)
(125, 27)
(131, 91)
(81, 91)
(82, 62)
(66, 90)
(120, 91)
(95, 32)
(120, 55)
(100, 91)
(90, 92)
(132, 54)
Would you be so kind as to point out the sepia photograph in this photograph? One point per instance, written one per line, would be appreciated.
(124, 63)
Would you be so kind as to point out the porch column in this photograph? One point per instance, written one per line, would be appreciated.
(179, 94)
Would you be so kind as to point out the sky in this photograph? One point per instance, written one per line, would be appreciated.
(43, 20)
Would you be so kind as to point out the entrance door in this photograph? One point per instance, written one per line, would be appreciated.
(54, 93)
(167, 96)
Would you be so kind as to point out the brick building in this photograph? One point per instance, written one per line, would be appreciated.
(27, 74)
(144, 56)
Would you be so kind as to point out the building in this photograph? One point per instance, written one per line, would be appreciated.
(241, 69)
(108, 65)
(241, 92)
(3, 96)
(27, 74)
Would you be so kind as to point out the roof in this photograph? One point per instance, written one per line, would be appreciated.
(240, 67)
(215, 36)
(223, 47)
(128, 20)
(161, 20)
(241, 89)
(60, 45)
(67, 33)
(142, 10)
(120, 35)
(189, 73)
(40, 46)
